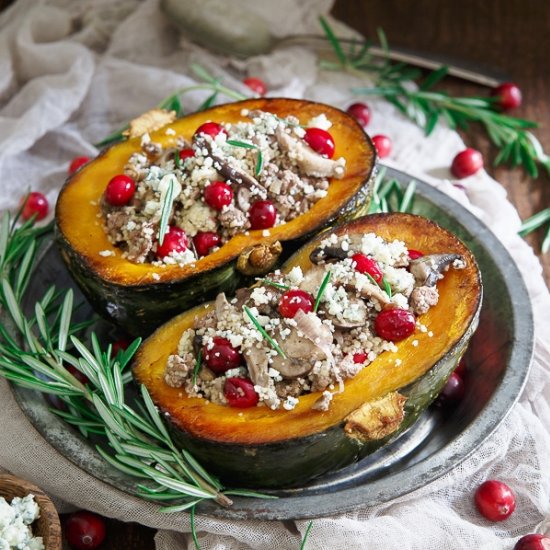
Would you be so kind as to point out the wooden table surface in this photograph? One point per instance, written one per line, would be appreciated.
(511, 35)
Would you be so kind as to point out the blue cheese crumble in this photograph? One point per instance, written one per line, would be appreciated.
(15, 524)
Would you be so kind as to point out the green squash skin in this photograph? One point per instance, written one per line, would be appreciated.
(294, 462)
(140, 309)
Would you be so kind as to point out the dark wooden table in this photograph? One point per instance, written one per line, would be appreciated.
(512, 35)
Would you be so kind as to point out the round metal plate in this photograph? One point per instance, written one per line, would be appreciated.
(499, 358)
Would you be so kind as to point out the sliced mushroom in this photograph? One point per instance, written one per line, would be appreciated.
(312, 279)
(309, 162)
(258, 365)
(355, 315)
(427, 270)
(369, 290)
(328, 253)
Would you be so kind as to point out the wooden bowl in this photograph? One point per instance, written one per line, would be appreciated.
(47, 526)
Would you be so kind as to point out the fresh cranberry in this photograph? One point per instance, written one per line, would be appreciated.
(76, 163)
(509, 96)
(364, 264)
(461, 367)
(240, 393)
(382, 145)
(534, 541)
(175, 240)
(84, 530)
(452, 393)
(320, 141)
(262, 215)
(186, 153)
(82, 378)
(495, 500)
(119, 345)
(120, 190)
(211, 129)
(218, 194)
(360, 357)
(466, 163)
(36, 205)
(415, 254)
(394, 324)
(360, 112)
(221, 356)
(293, 301)
(256, 85)
(204, 241)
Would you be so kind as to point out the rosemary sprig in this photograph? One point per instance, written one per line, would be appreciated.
(321, 291)
(541, 219)
(274, 284)
(263, 332)
(197, 368)
(306, 535)
(387, 287)
(167, 203)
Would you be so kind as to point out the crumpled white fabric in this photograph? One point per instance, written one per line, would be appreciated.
(71, 73)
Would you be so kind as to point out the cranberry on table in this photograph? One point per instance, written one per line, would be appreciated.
(415, 254)
(240, 393)
(360, 112)
(360, 357)
(218, 194)
(222, 356)
(175, 240)
(461, 367)
(293, 301)
(186, 153)
(76, 163)
(534, 541)
(495, 500)
(467, 163)
(84, 530)
(262, 215)
(382, 144)
(204, 241)
(509, 96)
(119, 345)
(366, 265)
(452, 393)
(394, 324)
(36, 205)
(211, 129)
(120, 190)
(320, 141)
(257, 85)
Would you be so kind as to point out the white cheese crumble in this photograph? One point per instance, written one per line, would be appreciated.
(106, 253)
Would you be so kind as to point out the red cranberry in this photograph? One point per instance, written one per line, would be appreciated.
(382, 145)
(119, 345)
(186, 153)
(466, 163)
(452, 393)
(240, 393)
(84, 530)
(175, 240)
(509, 96)
(36, 205)
(218, 194)
(533, 542)
(461, 367)
(262, 215)
(367, 265)
(211, 129)
(256, 85)
(294, 300)
(360, 112)
(76, 163)
(394, 324)
(415, 254)
(360, 357)
(120, 190)
(204, 241)
(82, 378)
(320, 141)
(222, 356)
(495, 500)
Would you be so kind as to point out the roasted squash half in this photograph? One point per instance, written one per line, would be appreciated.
(139, 297)
(259, 447)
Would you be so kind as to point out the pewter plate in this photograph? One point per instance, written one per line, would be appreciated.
(500, 354)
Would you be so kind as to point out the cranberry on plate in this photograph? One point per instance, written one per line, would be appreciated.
(262, 215)
(175, 240)
(221, 356)
(84, 530)
(186, 153)
(382, 145)
(204, 241)
(36, 205)
(240, 393)
(218, 194)
(495, 500)
(360, 112)
(257, 85)
(120, 190)
(320, 141)
(211, 129)
(293, 301)
(366, 265)
(394, 324)
(415, 254)
(467, 163)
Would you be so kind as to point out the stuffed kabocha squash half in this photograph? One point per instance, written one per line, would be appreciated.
(321, 362)
(168, 218)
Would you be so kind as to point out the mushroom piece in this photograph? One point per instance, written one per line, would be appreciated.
(257, 362)
(355, 315)
(427, 270)
(312, 279)
(369, 290)
(309, 162)
(319, 254)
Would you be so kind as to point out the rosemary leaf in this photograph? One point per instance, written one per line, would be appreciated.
(109, 419)
(321, 291)
(546, 242)
(120, 466)
(166, 210)
(408, 197)
(203, 74)
(335, 43)
(263, 332)
(177, 159)
(194, 529)
(180, 508)
(11, 303)
(153, 412)
(387, 287)
(208, 102)
(4, 235)
(371, 278)
(274, 284)
(65, 321)
(259, 163)
(306, 535)
(180, 486)
(197, 368)
(250, 494)
(25, 270)
(200, 470)
(124, 356)
(534, 222)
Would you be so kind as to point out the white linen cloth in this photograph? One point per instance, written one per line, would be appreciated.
(71, 73)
